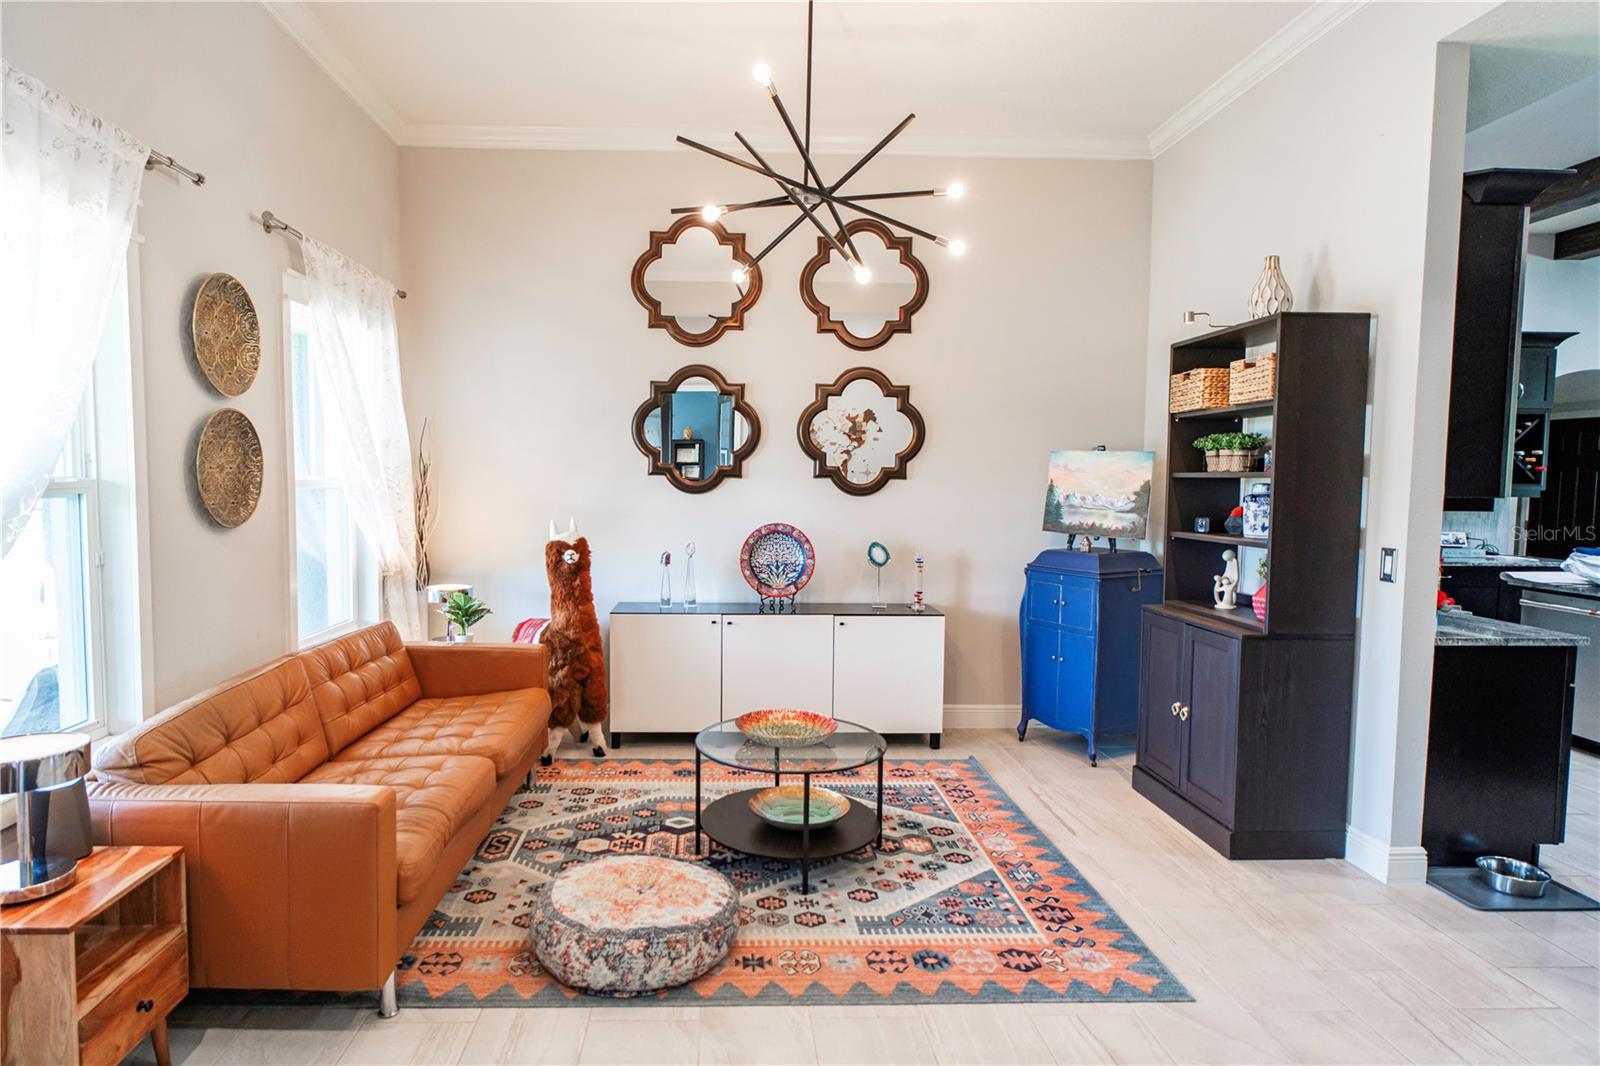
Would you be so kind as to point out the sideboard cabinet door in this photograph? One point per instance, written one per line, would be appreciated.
(888, 673)
(1210, 749)
(776, 661)
(666, 672)
(1161, 690)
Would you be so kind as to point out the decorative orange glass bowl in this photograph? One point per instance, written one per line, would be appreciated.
(785, 728)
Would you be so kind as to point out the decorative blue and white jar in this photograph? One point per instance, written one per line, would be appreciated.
(1258, 510)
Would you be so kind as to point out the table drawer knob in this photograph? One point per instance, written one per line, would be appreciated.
(145, 1006)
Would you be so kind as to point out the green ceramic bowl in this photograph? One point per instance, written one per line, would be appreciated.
(783, 806)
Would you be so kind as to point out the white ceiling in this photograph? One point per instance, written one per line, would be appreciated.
(1106, 80)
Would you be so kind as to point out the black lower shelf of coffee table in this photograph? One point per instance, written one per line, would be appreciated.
(730, 822)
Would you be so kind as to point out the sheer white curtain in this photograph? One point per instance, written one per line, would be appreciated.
(69, 183)
(355, 351)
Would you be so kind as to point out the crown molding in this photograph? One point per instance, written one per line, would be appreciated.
(301, 25)
(653, 139)
(1298, 34)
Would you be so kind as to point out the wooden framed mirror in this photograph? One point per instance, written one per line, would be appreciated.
(861, 431)
(696, 281)
(696, 429)
(865, 315)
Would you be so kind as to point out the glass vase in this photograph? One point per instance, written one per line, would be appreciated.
(690, 598)
(666, 585)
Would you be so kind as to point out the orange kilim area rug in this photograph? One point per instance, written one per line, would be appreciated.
(965, 900)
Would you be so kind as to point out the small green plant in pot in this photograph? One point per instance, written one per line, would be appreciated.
(1231, 452)
(463, 611)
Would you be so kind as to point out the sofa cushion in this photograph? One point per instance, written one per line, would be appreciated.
(259, 727)
(360, 681)
(435, 796)
(500, 726)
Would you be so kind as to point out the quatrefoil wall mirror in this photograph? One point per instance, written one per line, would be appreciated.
(865, 314)
(696, 429)
(861, 431)
(686, 281)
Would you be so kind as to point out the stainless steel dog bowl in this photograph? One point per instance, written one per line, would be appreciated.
(1512, 877)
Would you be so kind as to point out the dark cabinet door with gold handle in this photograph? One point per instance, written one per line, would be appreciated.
(1209, 718)
(1161, 696)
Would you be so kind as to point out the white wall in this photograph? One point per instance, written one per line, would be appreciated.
(1336, 173)
(223, 89)
(1563, 295)
(524, 345)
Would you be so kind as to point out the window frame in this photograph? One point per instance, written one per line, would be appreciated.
(364, 577)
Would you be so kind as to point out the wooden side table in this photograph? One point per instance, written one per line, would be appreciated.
(89, 972)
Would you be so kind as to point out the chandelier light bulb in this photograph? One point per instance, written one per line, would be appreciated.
(955, 190)
(711, 212)
(958, 247)
(863, 274)
(762, 73)
(739, 275)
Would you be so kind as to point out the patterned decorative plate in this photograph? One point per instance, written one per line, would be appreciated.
(226, 334)
(785, 728)
(777, 560)
(784, 806)
(228, 467)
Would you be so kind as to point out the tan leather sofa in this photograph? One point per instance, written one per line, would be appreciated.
(326, 800)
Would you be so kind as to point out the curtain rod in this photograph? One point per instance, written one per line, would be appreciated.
(270, 222)
(162, 159)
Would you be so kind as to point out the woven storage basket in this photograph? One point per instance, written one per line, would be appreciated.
(1192, 390)
(1255, 379)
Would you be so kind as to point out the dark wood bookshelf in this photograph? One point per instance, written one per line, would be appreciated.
(1256, 764)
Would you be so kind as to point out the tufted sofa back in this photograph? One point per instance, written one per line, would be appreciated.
(259, 727)
(359, 682)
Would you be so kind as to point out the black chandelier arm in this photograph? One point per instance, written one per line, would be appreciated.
(790, 228)
(805, 210)
(843, 201)
(890, 195)
(772, 201)
(880, 146)
(764, 171)
(811, 166)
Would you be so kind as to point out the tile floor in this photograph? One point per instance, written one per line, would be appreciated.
(1308, 962)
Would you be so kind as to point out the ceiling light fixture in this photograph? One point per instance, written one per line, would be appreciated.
(810, 192)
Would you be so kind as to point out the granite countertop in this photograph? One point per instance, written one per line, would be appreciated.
(1460, 629)
(801, 606)
(1576, 587)
(1509, 562)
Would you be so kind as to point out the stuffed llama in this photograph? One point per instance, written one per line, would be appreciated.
(578, 700)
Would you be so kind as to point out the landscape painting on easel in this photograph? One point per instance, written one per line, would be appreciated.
(1101, 494)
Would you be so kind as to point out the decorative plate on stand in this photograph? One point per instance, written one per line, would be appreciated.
(777, 561)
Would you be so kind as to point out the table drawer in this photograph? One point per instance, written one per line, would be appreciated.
(135, 1003)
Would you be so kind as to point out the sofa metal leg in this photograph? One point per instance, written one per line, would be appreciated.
(387, 1005)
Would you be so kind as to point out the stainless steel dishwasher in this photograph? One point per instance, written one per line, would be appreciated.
(1573, 614)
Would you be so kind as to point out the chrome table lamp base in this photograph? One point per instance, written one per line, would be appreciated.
(48, 766)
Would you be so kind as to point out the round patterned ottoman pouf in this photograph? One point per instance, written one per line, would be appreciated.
(629, 924)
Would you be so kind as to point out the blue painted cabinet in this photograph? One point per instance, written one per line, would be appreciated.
(1080, 640)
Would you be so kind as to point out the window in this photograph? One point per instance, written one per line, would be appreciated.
(69, 616)
(336, 580)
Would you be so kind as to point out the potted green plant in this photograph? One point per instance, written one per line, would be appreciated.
(1258, 599)
(1231, 452)
(463, 610)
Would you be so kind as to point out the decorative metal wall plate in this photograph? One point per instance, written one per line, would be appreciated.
(711, 275)
(715, 455)
(867, 327)
(226, 334)
(861, 431)
(228, 467)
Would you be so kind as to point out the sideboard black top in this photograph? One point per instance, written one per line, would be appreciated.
(894, 610)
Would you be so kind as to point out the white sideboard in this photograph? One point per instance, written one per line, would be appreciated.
(678, 669)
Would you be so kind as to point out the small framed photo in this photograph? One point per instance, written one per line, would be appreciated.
(690, 470)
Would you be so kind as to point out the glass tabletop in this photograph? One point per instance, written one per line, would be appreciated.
(851, 745)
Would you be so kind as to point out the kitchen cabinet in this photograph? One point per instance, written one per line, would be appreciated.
(678, 669)
(1079, 626)
(1244, 739)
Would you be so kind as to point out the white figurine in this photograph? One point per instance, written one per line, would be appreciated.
(1225, 586)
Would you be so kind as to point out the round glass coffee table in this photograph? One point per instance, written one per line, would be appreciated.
(731, 822)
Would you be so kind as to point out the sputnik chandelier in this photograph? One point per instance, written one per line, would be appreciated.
(811, 193)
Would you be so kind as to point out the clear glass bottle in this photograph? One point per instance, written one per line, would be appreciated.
(690, 597)
(666, 579)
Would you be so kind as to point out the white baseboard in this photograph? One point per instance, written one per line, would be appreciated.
(1391, 865)
(982, 715)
